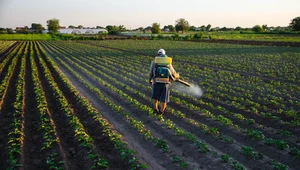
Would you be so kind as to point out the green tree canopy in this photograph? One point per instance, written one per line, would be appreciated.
(265, 27)
(53, 25)
(71, 26)
(141, 28)
(171, 28)
(257, 28)
(121, 28)
(37, 28)
(203, 28)
(155, 28)
(238, 28)
(113, 29)
(192, 28)
(295, 24)
(3, 30)
(182, 25)
(208, 27)
(100, 27)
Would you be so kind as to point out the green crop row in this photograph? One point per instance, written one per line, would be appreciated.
(117, 64)
(115, 137)
(137, 124)
(82, 137)
(5, 44)
(50, 138)
(202, 147)
(15, 137)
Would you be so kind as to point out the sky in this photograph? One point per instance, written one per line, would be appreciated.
(142, 13)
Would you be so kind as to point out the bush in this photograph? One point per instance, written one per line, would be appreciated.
(257, 29)
(160, 37)
(102, 36)
(189, 37)
(198, 36)
(175, 36)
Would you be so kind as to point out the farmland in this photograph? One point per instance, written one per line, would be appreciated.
(86, 104)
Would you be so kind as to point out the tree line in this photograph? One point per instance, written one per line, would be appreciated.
(181, 26)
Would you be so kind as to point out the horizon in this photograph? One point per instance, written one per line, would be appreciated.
(134, 14)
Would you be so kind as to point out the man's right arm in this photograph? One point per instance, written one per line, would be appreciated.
(151, 71)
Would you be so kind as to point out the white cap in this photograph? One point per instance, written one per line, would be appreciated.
(161, 52)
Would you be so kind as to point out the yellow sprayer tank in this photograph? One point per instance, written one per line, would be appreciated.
(163, 60)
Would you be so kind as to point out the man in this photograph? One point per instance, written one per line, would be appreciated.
(161, 73)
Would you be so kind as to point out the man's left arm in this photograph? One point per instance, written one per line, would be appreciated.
(173, 72)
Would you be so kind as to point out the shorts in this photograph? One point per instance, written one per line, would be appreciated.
(161, 92)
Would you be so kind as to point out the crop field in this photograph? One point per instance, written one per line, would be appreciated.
(86, 105)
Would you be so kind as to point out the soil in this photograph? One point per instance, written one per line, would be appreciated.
(253, 42)
(8, 50)
(75, 156)
(245, 42)
(33, 136)
(181, 145)
(263, 78)
(6, 113)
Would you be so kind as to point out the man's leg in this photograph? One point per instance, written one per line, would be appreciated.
(155, 104)
(163, 106)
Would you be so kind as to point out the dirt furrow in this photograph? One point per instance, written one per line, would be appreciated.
(103, 145)
(234, 151)
(74, 155)
(8, 63)
(147, 152)
(33, 158)
(183, 147)
(264, 78)
(269, 124)
(6, 114)
(8, 50)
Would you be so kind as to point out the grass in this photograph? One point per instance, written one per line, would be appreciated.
(232, 35)
(228, 35)
(25, 37)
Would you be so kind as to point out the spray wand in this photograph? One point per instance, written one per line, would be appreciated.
(183, 82)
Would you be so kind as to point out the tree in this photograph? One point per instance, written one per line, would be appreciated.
(208, 27)
(3, 30)
(202, 28)
(238, 28)
(192, 28)
(100, 27)
(71, 26)
(171, 28)
(155, 28)
(9, 30)
(264, 27)
(257, 28)
(295, 24)
(141, 28)
(80, 26)
(112, 29)
(121, 28)
(182, 25)
(224, 29)
(53, 25)
(37, 28)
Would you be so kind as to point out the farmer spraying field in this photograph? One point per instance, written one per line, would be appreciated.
(161, 73)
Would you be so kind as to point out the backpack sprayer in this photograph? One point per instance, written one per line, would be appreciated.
(164, 61)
